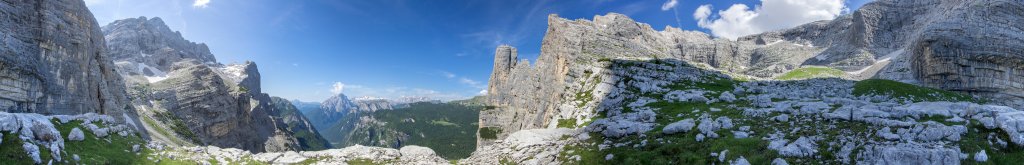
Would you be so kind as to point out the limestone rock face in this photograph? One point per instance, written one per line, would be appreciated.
(53, 61)
(367, 104)
(987, 63)
(220, 112)
(151, 42)
(220, 105)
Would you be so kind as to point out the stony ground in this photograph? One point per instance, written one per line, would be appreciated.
(700, 118)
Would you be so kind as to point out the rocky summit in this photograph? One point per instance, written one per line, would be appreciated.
(892, 82)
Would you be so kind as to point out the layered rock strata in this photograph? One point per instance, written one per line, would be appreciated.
(54, 61)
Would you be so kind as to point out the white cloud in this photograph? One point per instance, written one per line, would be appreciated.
(740, 20)
(463, 80)
(470, 82)
(201, 3)
(702, 13)
(482, 92)
(337, 88)
(669, 5)
(399, 92)
(448, 74)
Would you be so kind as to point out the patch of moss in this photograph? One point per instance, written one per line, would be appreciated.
(361, 162)
(489, 132)
(178, 126)
(11, 151)
(566, 123)
(811, 72)
(113, 149)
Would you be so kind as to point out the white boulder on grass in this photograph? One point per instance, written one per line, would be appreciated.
(779, 161)
(76, 134)
(981, 156)
(682, 126)
(802, 147)
(740, 161)
(727, 97)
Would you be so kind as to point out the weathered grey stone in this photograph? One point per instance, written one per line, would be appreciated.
(802, 147)
(681, 126)
(981, 156)
(53, 61)
(76, 134)
(151, 42)
(1013, 124)
(727, 97)
(740, 161)
(721, 155)
(907, 153)
(779, 161)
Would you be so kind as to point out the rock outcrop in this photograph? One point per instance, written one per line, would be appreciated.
(180, 84)
(152, 45)
(919, 42)
(219, 111)
(53, 61)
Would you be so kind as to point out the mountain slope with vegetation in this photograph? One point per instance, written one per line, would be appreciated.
(447, 128)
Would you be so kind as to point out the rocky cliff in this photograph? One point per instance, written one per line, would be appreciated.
(921, 42)
(152, 45)
(54, 61)
(297, 123)
(179, 86)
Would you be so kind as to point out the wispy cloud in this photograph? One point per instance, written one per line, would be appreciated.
(669, 5)
(740, 20)
(464, 80)
(337, 88)
(399, 92)
(448, 74)
(471, 83)
(201, 3)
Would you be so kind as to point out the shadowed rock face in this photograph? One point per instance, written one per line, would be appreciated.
(53, 61)
(976, 49)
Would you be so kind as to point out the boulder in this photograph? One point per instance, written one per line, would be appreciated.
(981, 156)
(681, 126)
(76, 134)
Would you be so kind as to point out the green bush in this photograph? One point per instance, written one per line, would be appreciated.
(489, 132)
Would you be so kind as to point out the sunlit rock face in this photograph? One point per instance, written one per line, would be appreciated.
(53, 61)
(222, 105)
(151, 42)
(966, 46)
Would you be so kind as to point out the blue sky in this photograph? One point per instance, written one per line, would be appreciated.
(388, 48)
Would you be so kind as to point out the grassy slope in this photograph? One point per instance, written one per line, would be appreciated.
(907, 91)
(811, 72)
(113, 149)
